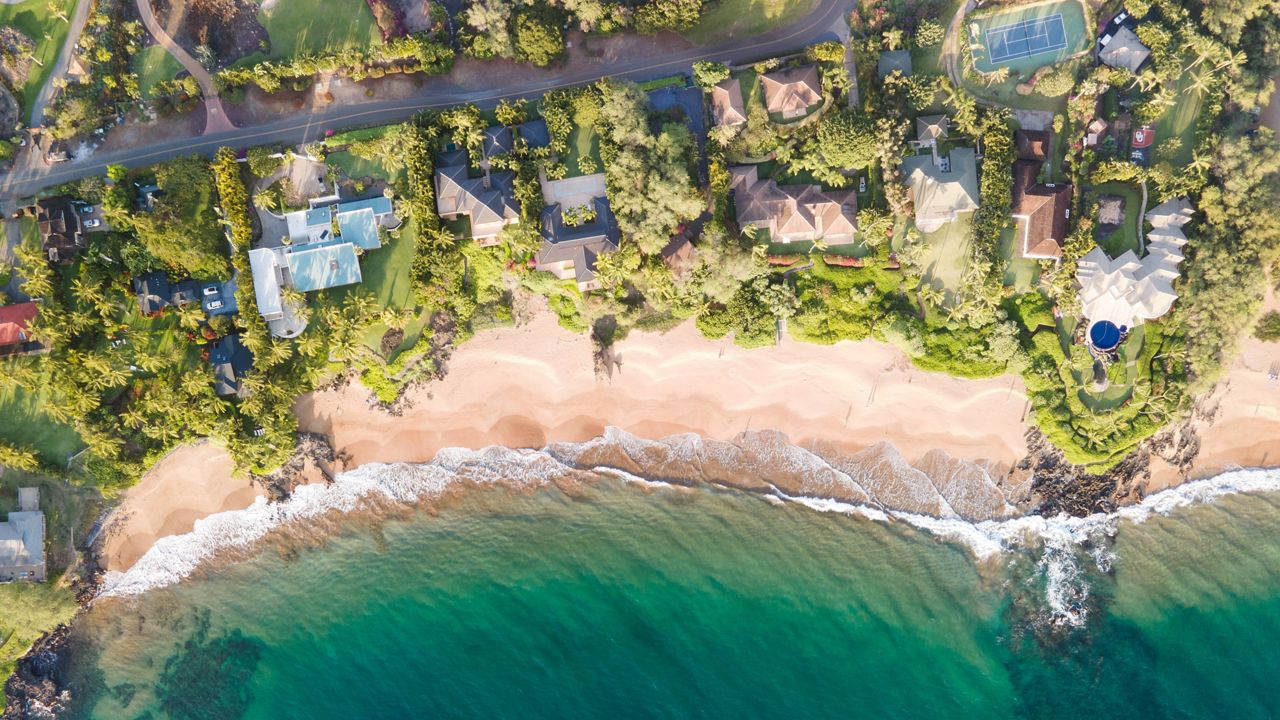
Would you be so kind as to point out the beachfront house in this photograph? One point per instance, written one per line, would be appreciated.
(325, 244)
(573, 237)
(793, 92)
(792, 213)
(1117, 294)
(1041, 211)
(487, 201)
(941, 184)
(22, 540)
(230, 361)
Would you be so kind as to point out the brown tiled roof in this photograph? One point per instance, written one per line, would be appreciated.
(793, 212)
(726, 103)
(1040, 212)
(1032, 144)
(790, 93)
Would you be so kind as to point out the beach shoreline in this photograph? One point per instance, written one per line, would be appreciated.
(536, 384)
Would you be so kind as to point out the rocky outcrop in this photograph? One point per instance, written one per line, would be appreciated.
(35, 689)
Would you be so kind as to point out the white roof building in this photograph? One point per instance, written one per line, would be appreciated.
(1126, 290)
(1123, 49)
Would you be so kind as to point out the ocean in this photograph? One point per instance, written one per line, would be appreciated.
(530, 592)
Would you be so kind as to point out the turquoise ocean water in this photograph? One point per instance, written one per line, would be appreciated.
(617, 600)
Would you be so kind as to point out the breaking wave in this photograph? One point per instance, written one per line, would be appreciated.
(878, 486)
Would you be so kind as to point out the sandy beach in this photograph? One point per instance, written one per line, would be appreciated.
(534, 384)
(191, 482)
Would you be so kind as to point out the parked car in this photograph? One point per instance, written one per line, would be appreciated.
(211, 290)
(215, 305)
(86, 209)
(92, 223)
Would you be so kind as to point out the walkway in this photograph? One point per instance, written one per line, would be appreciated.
(47, 92)
(216, 120)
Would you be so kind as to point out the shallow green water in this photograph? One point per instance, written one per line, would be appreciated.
(618, 602)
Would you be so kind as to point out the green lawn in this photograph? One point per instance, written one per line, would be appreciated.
(1005, 93)
(357, 167)
(319, 26)
(26, 424)
(947, 255)
(583, 141)
(1180, 119)
(1021, 274)
(1078, 36)
(367, 133)
(386, 272)
(46, 30)
(729, 19)
(154, 64)
(1126, 238)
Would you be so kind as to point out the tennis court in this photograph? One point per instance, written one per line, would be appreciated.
(1026, 38)
(1029, 37)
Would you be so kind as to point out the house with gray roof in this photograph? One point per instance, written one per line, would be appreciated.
(941, 187)
(793, 213)
(487, 201)
(534, 133)
(231, 361)
(155, 292)
(727, 107)
(1121, 48)
(22, 540)
(569, 250)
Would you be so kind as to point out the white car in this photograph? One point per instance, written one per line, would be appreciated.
(215, 305)
(92, 223)
(211, 290)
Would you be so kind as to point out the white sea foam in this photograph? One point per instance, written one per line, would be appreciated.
(175, 557)
(1060, 542)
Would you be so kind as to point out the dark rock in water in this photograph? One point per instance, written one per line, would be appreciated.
(311, 449)
(34, 690)
(209, 675)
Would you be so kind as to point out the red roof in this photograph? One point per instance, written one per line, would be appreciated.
(1144, 136)
(13, 322)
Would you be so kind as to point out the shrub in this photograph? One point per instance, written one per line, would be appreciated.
(929, 33)
(708, 74)
(1268, 327)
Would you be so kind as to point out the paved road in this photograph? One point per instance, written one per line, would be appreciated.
(216, 118)
(45, 96)
(816, 27)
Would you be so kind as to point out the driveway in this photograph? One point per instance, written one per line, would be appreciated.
(216, 120)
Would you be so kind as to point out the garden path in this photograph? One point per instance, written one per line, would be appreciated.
(216, 119)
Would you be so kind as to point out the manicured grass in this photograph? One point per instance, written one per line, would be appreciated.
(947, 255)
(729, 19)
(350, 136)
(154, 64)
(1126, 238)
(387, 270)
(318, 26)
(46, 31)
(1005, 93)
(1078, 36)
(749, 84)
(583, 141)
(1180, 119)
(1021, 274)
(358, 167)
(26, 424)
(670, 81)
